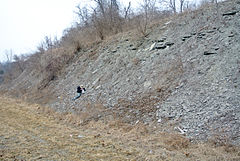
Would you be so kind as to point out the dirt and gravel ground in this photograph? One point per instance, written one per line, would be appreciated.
(32, 132)
(28, 135)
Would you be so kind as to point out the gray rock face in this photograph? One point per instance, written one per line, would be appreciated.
(195, 82)
(207, 102)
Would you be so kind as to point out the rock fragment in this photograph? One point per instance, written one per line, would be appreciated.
(230, 13)
(169, 43)
(160, 46)
(209, 53)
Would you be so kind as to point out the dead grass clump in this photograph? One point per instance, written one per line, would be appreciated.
(176, 142)
(78, 118)
(134, 130)
(47, 110)
(91, 112)
(72, 119)
(120, 125)
(66, 117)
(231, 149)
(141, 129)
(117, 124)
(136, 61)
(170, 76)
(219, 140)
(222, 139)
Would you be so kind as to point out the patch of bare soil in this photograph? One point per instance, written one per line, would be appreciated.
(30, 132)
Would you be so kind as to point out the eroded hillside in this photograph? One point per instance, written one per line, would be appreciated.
(183, 73)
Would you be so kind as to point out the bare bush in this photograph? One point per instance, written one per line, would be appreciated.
(14, 66)
(47, 44)
(52, 63)
(83, 15)
(105, 18)
(169, 4)
(20, 62)
(149, 9)
(73, 39)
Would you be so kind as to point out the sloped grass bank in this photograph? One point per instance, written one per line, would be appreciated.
(32, 132)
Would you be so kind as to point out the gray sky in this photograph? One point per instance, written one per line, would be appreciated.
(24, 23)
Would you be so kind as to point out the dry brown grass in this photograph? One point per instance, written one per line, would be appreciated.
(27, 134)
(32, 132)
(136, 61)
(176, 142)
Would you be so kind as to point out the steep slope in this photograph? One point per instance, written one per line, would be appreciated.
(186, 72)
(207, 101)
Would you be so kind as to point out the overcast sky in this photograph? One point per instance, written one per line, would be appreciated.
(24, 23)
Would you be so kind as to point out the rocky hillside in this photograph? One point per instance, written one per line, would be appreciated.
(185, 72)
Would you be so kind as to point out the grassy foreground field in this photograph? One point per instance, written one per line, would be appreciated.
(28, 132)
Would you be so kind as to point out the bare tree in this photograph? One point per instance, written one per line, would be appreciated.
(172, 5)
(148, 8)
(48, 43)
(9, 66)
(181, 5)
(106, 17)
(101, 5)
(1, 69)
(189, 5)
(113, 16)
(98, 25)
(83, 15)
(19, 61)
(1, 73)
(127, 11)
(9, 55)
